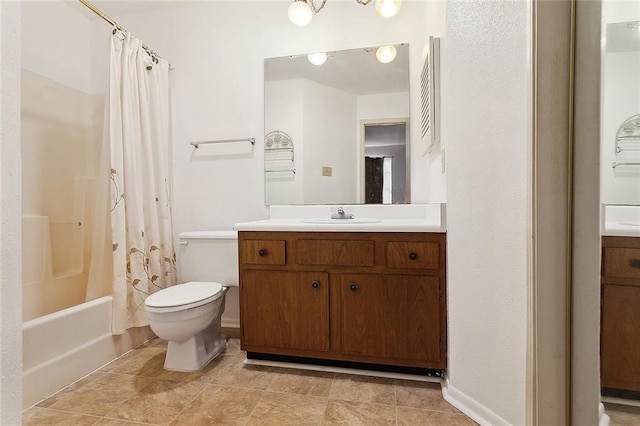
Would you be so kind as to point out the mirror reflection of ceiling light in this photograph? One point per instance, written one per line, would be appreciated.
(317, 58)
(386, 54)
(301, 11)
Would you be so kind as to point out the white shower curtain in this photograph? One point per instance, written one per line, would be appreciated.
(139, 135)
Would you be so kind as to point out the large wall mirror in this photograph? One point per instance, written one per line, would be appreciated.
(337, 127)
(620, 196)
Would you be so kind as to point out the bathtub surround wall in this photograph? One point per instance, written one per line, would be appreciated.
(10, 221)
(61, 130)
(63, 116)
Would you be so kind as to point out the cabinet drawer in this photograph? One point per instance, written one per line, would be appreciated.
(335, 252)
(263, 252)
(412, 255)
(622, 262)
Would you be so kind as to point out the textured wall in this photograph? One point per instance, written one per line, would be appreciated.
(10, 212)
(487, 144)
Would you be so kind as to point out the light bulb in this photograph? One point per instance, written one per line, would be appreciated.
(386, 54)
(388, 8)
(317, 58)
(300, 13)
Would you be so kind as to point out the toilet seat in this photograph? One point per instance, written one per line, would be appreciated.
(182, 297)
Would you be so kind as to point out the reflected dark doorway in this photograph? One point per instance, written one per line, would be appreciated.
(385, 163)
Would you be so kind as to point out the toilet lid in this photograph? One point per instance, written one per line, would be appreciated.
(187, 295)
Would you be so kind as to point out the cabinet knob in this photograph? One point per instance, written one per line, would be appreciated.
(634, 263)
(413, 255)
(353, 287)
(315, 284)
(262, 252)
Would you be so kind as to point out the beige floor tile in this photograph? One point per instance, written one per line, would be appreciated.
(305, 382)
(237, 374)
(44, 416)
(417, 417)
(114, 422)
(363, 389)
(220, 405)
(279, 409)
(138, 362)
(233, 347)
(158, 403)
(97, 395)
(622, 415)
(358, 414)
(423, 395)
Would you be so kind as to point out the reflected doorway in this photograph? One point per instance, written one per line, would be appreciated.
(384, 149)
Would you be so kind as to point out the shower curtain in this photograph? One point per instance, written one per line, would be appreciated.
(138, 132)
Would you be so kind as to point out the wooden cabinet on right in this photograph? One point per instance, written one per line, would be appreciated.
(620, 317)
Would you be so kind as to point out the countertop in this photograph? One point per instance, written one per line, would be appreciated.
(340, 225)
(367, 218)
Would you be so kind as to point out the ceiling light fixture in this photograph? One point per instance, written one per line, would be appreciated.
(301, 11)
(317, 58)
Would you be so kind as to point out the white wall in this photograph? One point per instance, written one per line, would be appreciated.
(486, 133)
(58, 45)
(10, 212)
(330, 118)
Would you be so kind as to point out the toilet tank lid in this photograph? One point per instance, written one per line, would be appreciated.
(208, 235)
(184, 294)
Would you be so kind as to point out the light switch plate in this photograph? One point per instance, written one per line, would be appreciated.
(326, 171)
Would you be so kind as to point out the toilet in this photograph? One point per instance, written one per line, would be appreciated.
(188, 315)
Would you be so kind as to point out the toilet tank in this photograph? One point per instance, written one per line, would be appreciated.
(209, 256)
(212, 256)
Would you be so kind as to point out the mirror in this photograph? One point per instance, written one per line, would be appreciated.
(621, 113)
(338, 132)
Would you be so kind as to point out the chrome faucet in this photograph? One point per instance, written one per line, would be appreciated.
(340, 214)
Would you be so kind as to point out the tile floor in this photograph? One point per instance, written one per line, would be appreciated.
(135, 390)
(622, 415)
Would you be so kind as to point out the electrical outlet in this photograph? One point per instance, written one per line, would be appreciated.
(326, 171)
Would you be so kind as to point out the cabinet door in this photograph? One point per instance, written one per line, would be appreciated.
(391, 316)
(285, 309)
(620, 364)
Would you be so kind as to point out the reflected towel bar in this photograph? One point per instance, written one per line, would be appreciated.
(197, 144)
(616, 164)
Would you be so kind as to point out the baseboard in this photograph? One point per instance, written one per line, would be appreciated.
(470, 407)
(230, 322)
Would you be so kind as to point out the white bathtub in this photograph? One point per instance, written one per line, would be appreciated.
(62, 347)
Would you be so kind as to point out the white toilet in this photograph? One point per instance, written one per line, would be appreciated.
(189, 315)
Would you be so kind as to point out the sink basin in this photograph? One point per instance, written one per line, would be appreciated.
(340, 221)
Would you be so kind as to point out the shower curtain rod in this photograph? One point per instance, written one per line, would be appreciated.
(118, 26)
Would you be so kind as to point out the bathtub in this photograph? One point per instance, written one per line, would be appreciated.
(62, 347)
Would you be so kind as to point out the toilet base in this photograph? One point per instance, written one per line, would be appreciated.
(195, 353)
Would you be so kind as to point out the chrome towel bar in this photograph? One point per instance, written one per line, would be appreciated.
(197, 144)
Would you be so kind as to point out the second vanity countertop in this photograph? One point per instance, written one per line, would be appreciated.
(367, 218)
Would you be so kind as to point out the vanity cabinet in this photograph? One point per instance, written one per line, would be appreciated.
(620, 315)
(363, 297)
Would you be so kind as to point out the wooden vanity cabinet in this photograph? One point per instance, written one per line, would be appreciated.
(362, 297)
(620, 315)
